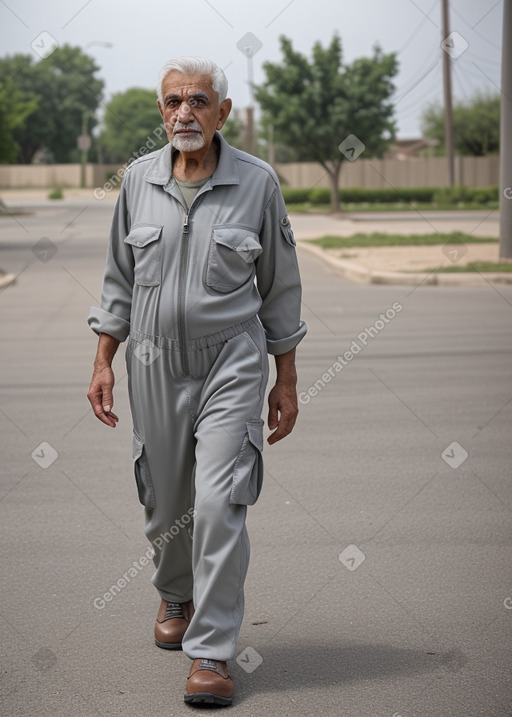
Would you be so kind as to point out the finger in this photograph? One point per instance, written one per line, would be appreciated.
(108, 400)
(285, 427)
(273, 416)
(107, 421)
(107, 417)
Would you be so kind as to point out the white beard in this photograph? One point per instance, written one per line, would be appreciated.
(187, 144)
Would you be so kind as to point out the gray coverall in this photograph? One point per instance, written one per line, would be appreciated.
(202, 295)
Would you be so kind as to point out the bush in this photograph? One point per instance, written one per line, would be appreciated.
(56, 193)
(320, 196)
(295, 196)
(456, 195)
(388, 195)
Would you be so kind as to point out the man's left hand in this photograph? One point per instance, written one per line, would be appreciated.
(283, 410)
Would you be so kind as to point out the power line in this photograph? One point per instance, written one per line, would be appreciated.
(416, 82)
(415, 32)
(463, 19)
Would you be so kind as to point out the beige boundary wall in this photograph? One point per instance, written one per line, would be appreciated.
(376, 173)
(367, 173)
(20, 176)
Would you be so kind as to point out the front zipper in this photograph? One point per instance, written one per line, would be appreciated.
(182, 279)
(181, 295)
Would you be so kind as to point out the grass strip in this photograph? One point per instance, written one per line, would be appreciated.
(377, 239)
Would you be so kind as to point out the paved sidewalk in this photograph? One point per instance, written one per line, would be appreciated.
(408, 265)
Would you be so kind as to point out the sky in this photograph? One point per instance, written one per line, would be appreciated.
(130, 40)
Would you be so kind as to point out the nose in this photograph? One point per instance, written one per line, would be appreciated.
(184, 113)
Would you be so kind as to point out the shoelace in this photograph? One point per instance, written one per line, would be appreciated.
(173, 609)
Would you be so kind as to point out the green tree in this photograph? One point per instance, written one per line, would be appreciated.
(132, 121)
(14, 110)
(315, 105)
(476, 125)
(234, 130)
(65, 89)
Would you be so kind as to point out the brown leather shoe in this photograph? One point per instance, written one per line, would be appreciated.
(209, 683)
(171, 623)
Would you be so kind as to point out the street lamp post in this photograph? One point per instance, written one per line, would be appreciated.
(84, 144)
(84, 140)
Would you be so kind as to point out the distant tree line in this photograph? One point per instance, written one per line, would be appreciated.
(316, 109)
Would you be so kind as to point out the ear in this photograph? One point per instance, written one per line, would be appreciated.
(224, 110)
(160, 109)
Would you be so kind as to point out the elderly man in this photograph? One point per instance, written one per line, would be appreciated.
(202, 279)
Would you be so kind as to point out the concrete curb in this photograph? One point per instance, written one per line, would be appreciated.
(360, 274)
(6, 280)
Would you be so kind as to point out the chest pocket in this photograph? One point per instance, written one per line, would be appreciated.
(145, 240)
(233, 251)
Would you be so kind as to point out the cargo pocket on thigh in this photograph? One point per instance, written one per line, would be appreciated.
(142, 476)
(248, 471)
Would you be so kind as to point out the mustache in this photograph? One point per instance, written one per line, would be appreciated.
(194, 126)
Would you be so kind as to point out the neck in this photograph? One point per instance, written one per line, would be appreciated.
(191, 166)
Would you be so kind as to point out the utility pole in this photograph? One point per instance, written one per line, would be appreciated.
(447, 86)
(505, 136)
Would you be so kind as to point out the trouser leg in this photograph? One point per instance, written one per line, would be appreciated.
(228, 431)
(164, 466)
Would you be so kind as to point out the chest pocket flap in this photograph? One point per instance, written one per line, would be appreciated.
(145, 242)
(233, 251)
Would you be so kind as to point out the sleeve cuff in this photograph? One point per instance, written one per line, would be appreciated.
(103, 322)
(276, 347)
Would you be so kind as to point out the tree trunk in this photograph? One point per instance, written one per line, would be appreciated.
(334, 176)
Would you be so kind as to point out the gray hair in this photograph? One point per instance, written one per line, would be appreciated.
(195, 66)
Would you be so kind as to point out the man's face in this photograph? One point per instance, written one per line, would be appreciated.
(191, 111)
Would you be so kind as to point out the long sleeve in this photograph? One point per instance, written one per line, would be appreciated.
(278, 280)
(113, 317)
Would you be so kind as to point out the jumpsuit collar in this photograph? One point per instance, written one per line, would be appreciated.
(226, 172)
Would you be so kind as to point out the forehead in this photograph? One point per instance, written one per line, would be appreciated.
(179, 83)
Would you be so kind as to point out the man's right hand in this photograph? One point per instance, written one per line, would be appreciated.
(100, 394)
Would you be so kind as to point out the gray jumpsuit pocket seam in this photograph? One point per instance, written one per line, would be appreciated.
(254, 348)
(145, 241)
(248, 470)
(231, 256)
(142, 475)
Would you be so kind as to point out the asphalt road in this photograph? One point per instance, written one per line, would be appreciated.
(380, 579)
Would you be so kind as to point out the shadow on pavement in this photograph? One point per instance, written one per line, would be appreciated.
(292, 667)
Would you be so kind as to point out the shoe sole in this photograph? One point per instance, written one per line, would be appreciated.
(208, 698)
(168, 645)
